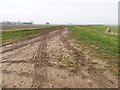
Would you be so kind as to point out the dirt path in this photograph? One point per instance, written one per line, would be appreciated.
(50, 60)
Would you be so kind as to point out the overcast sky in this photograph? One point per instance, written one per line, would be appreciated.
(60, 11)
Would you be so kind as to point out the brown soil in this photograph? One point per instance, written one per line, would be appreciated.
(51, 60)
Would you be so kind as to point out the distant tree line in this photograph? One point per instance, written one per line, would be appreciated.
(15, 23)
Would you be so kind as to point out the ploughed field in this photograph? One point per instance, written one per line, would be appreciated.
(53, 58)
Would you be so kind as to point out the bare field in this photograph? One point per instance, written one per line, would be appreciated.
(52, 60)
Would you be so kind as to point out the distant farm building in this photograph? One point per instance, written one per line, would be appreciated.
(47, 23)
(27, 23)
(15, 23)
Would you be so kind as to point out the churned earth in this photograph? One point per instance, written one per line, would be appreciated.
(52, 60)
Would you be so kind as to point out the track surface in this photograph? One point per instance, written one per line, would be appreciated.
(50, 60)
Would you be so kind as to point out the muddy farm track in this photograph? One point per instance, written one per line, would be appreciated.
(50, 60)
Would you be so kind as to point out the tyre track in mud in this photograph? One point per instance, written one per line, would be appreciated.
(9, 62)
(31, 60)
(42, 64)
(39, 60)
(28, 41)
(21, 45)
(80, 59)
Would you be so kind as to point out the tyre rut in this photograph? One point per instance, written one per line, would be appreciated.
(80, 59)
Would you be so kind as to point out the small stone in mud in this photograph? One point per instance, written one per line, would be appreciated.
(21, 81)
(89, 81)
(37, 64)
(14, 86)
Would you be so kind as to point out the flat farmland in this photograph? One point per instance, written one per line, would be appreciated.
(19, 27)
(60, 57)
